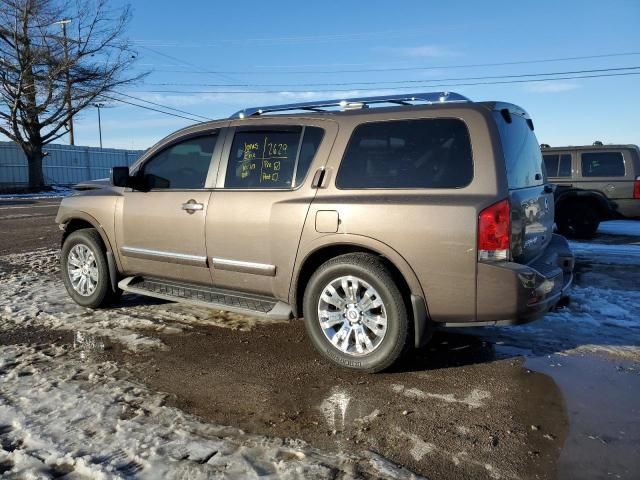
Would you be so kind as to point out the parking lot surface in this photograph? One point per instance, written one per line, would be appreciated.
(150, 388)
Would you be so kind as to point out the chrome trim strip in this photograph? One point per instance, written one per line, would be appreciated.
(244, 267)
(169, 257)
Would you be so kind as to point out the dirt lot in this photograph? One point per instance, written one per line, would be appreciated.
(555, 399)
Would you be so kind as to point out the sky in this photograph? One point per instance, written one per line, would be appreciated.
(284, 47)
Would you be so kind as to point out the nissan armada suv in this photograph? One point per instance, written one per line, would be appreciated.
(374, 224)
(595, 183)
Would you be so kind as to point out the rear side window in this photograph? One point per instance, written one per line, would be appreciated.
(521, 151)
(310, 143)
(565, 166)
(558, 165)
(426, 153)
(184, 165)
(551, 164)
(271, 159)
(602, 164)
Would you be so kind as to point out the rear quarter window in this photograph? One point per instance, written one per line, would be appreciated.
(557, 165)
(602, 164)
(424, 153)
(522, 155)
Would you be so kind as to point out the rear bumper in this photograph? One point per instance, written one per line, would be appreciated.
(511, 293)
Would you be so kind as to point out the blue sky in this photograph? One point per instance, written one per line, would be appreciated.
(270, 42)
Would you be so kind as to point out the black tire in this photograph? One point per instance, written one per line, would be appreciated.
(578, 220)
(372, 271)
(103, 295)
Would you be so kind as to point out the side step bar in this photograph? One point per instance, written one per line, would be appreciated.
(230, 301)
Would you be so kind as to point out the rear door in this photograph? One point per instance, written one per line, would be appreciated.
(261, 200)
(531, 197)
(609, 171)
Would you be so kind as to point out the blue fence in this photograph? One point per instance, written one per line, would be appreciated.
(63, 165)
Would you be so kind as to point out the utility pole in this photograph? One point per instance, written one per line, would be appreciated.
(68, 82)
(99, 106)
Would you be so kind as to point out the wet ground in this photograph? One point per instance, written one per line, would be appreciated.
(27, 224)
(555, 399)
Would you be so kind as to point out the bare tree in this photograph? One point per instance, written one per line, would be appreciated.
(47, 75)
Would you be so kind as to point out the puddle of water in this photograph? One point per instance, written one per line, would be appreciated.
(603, 405)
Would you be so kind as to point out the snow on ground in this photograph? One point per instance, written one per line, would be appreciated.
(603, 253)
(604, 314)
(65, 411)
(55, 192)
(620, 227)
(63, 415)
(603, 320)
(62, 412)
(32, 294)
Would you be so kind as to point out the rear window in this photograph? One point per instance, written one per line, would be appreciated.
(602, 164)
(558, 165)
(521, 151)
(425, 153)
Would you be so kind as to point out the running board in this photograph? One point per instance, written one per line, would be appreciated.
(230, 301)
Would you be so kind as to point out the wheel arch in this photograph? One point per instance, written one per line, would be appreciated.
(595, 198)
(403, 274)
(79, 220)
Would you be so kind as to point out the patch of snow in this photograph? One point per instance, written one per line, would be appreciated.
(62, 415)
(620, 227)
(609, 254)
(475, 399)
(32, 294)
(597, 320)
(55, 192)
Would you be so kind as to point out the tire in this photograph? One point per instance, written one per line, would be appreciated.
(579, 220)
(373, 285)
(97, 290)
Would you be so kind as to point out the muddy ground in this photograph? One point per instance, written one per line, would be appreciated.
(472, 404)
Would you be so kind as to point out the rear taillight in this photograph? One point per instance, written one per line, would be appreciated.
(494, 232)
(636, 188)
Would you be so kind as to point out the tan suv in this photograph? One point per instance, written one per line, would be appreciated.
(374, 224)
(595, 183)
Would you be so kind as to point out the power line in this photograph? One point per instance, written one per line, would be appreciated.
(490, 77)
(147, 108)
(115, 99)
(396, 69)
(189, 64)
(163, 106)
(231, 92)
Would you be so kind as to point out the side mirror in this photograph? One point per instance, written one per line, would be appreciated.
(120, 177)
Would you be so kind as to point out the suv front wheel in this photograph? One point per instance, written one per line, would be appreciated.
(85, 271)
(354, 313)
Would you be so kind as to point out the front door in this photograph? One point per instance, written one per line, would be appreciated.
(260, 204)
(161, 228)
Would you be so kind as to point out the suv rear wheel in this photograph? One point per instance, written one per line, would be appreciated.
(579, 220)
(354, 313)
(85, 271)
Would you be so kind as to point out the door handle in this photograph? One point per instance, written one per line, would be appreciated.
(318, 178)
(192, 206)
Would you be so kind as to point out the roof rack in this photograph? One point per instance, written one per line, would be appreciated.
(355, 103)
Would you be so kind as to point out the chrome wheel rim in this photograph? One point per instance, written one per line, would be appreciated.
(82, 269)
(352, 316)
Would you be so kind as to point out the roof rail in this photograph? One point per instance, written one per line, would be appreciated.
(353, 103)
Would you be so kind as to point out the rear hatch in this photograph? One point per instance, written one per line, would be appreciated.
(531, 198)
